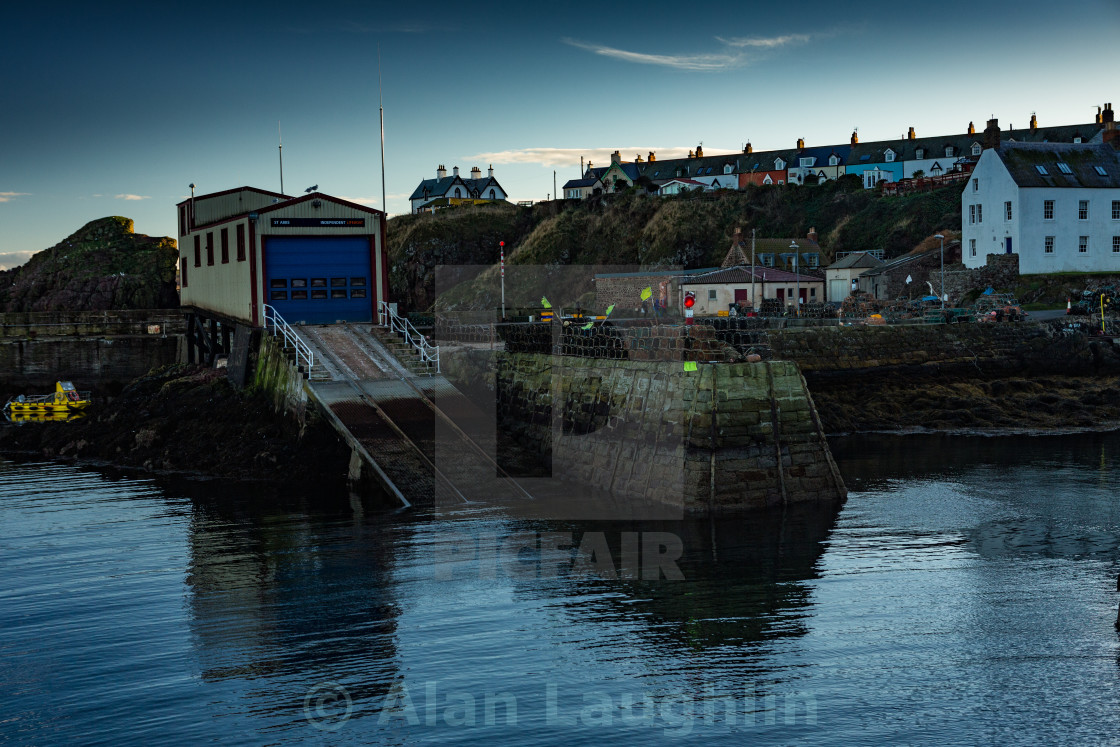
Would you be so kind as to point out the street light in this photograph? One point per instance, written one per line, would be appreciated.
(939, 236)
(797, 276)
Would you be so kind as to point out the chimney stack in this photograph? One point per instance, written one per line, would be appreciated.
(910, 135)
(748, 148)
(691, 154)
(1034, 121)
(455, 170)
(616, 157)
(812, 235)
(971, 129)
(1108, 119)
(476, 173)
(491, 173)
(441, 172)
(991, 134)
(699, 151)
(638, 158)
(801, 143)
(652, 157)
(855, 138)
(1098, 115)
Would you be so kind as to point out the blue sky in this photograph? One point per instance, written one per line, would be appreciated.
(115, 109)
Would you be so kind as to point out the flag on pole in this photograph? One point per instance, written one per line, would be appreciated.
(690, 366)
(545, 303)
(589, 325)
(610, 309)
(647, 293)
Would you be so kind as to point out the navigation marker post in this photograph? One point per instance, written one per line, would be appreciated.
(502, 255)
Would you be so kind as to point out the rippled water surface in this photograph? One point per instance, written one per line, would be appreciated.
(965, 594)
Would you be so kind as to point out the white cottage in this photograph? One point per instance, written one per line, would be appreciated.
(1057, 205)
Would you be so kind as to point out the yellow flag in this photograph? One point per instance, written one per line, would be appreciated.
(545, 303)
(690, 366)
(647, 293)
(589, 325)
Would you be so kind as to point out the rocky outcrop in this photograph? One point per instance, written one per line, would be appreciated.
(103, 265)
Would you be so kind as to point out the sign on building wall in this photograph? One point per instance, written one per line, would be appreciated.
(318, 222)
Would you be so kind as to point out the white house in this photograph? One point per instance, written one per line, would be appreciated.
(447, 190)
(1057, 205)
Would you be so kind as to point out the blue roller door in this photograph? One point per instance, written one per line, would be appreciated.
(318, 279)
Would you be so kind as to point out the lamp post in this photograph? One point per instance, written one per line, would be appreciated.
(797, 277)
(939, 236)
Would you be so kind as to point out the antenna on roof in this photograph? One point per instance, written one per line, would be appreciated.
(280, 140)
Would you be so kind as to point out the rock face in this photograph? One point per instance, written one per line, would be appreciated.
(103, 265)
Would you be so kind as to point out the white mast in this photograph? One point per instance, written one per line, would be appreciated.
(381, 111)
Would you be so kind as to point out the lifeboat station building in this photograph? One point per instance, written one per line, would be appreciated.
(315, 259)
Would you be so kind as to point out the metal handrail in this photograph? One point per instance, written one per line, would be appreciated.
(303, 352)
(387, 317)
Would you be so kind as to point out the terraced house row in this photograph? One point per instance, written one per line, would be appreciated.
(875, 163)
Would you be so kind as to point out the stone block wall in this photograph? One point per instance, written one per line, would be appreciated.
(90, 362)
(1000, 271)
(723, 438)
(39, 324)
(625, 291)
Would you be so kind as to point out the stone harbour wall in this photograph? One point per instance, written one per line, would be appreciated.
(90, 362)
(723, 438)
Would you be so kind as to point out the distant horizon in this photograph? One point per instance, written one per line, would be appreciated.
(116, 110)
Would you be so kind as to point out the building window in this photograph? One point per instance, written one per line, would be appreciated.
(358, 293)
(338, 282)
(1083, 210)
(278, 296)
(299, 282)
(318, 294)
(1116, 209)
(919, 154)
(198, 250)
(975, 185)
(340, 293)
(979, 213)
(971, 214)
(1041, 169)
(1048, 245)
(1100, 170)
(278, 283)
(1064, 167)
(1048, 210)
(1083, 244)
(889, 157)
(972, 247)
(183, 265)
(1007, 211)
(183, 220)
(975, 150)
(299, 295)
(1115, 250)
(240, 242)
(1077, 139)
(711, 294)
(357, 282)
(209, 247)
(318, 283)
(225, 246)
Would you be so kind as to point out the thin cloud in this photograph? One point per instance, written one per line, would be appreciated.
(8, 260)
(705, 63)
(7, 196)
(763, 42)
(131, 197)
(569, 156)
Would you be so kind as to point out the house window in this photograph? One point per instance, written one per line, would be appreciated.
(240, 242)
(1083, 244)
(979, 213)
(1064, 167)
(919, 154)
(711, 294)
(209, 247)
(1115, 250)
(833, 160)
(1048, 210)
(781, 181)
(971, 214)
(807, 162)
(972, 247)
(1041, 169)
(975, 150)
(198, 250)
(975, 185)
(1007, 211)
(1116, 209)
(889, 156)
(779, 164)
(727, 169)
(1048, 245)
(225, 246)
(183, 220)
(1100, 170)
(183, 265)
(1083, 210)
(1077, 139)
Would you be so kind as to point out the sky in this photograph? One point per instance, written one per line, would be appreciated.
(115, 108)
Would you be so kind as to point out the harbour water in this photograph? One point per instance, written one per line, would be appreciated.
(964, 594)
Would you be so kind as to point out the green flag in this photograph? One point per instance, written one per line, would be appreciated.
(690, 366)
(589, 325)
(610, 309)
(545, 303)
(647, 293)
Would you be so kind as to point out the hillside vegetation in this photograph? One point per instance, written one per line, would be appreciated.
(691, 230)
(103, 265)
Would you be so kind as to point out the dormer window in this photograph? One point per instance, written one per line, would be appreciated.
(1041, 169)
(779, 164)
(1077, 139)
(975, 150)
(948, 151)
(727, 168)
(1100, 170)
(833, 160)
(920, 153)
(807, 162)
(889, 156)
(1064, 167)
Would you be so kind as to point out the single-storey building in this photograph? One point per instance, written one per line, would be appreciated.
(841, 275)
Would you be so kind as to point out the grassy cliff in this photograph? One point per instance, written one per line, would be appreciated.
(692, 230)
(103, 265)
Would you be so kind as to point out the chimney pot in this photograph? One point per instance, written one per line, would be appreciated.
(971, 129)
(455, 170)
(749, 148)
(855, 138)
(910, 135)
(491, 172)
(699, 151)
(801, 143)
(691, 154)
(652, 156)
(1034, 122)
(616, 157)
